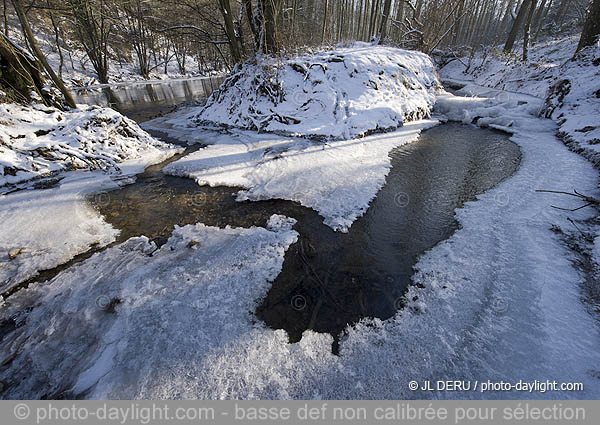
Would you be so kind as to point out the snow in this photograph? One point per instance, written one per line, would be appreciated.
(337, 179)
(205, 290)
(341, 94)
(570, 86)
(38, 141)
(493, 69)
(574, 103)
(499, 300)
(39, 146)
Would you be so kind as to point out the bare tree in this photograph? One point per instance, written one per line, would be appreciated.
(591, 27)
(40, 56)
(514, 31)
(528, 28)
(93, 29)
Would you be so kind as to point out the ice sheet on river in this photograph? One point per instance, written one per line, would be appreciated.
(338, 179)
(43, 228)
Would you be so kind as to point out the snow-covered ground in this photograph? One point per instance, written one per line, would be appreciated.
(41, 229)
(37, 141)
(499, 300)
(342, 94)
(493, 69)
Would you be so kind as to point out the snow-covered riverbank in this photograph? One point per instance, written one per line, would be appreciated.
(499, 300)
(570, 86)
(39, 148)
(342, 94)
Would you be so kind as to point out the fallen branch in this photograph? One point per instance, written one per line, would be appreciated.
(589, 201)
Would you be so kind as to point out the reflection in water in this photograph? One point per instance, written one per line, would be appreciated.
(144, 101)
(331, 279)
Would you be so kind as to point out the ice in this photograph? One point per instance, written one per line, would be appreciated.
(178, 307)
(499, 300)
(338, 179)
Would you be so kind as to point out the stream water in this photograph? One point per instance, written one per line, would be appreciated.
(329, 279)
(332, 279)
(146, 100)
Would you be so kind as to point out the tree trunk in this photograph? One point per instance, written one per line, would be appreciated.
(40, 56)
(6, 30)
(20, 74)
(528, 29)
(384, 20)
(591, 27)
(512, 36)
(324, 22)
(270, 13)
(541, 22)
(254, 25)
(234, 42)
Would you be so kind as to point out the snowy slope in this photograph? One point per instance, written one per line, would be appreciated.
(345, 93)
(37, 141)
(574, 103)
(509, 72)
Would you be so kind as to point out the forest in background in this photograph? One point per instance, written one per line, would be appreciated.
(219, 33)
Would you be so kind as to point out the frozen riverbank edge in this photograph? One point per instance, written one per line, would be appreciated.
(48, 226)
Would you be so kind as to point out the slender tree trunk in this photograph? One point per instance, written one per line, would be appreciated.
(384, 21)
(512, 36)
(527, 28)
(254, 27)
(40, 56)
(56, 39)
(6, 29)
(372, 19)
(270, 13)
(324, 22)
(234, 42)
(591, 27)
(542, 21)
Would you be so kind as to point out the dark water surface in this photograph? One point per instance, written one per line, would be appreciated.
(331, 279)
(144, 101)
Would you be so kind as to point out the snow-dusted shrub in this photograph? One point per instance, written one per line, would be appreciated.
(36, 141)
(344, 93)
